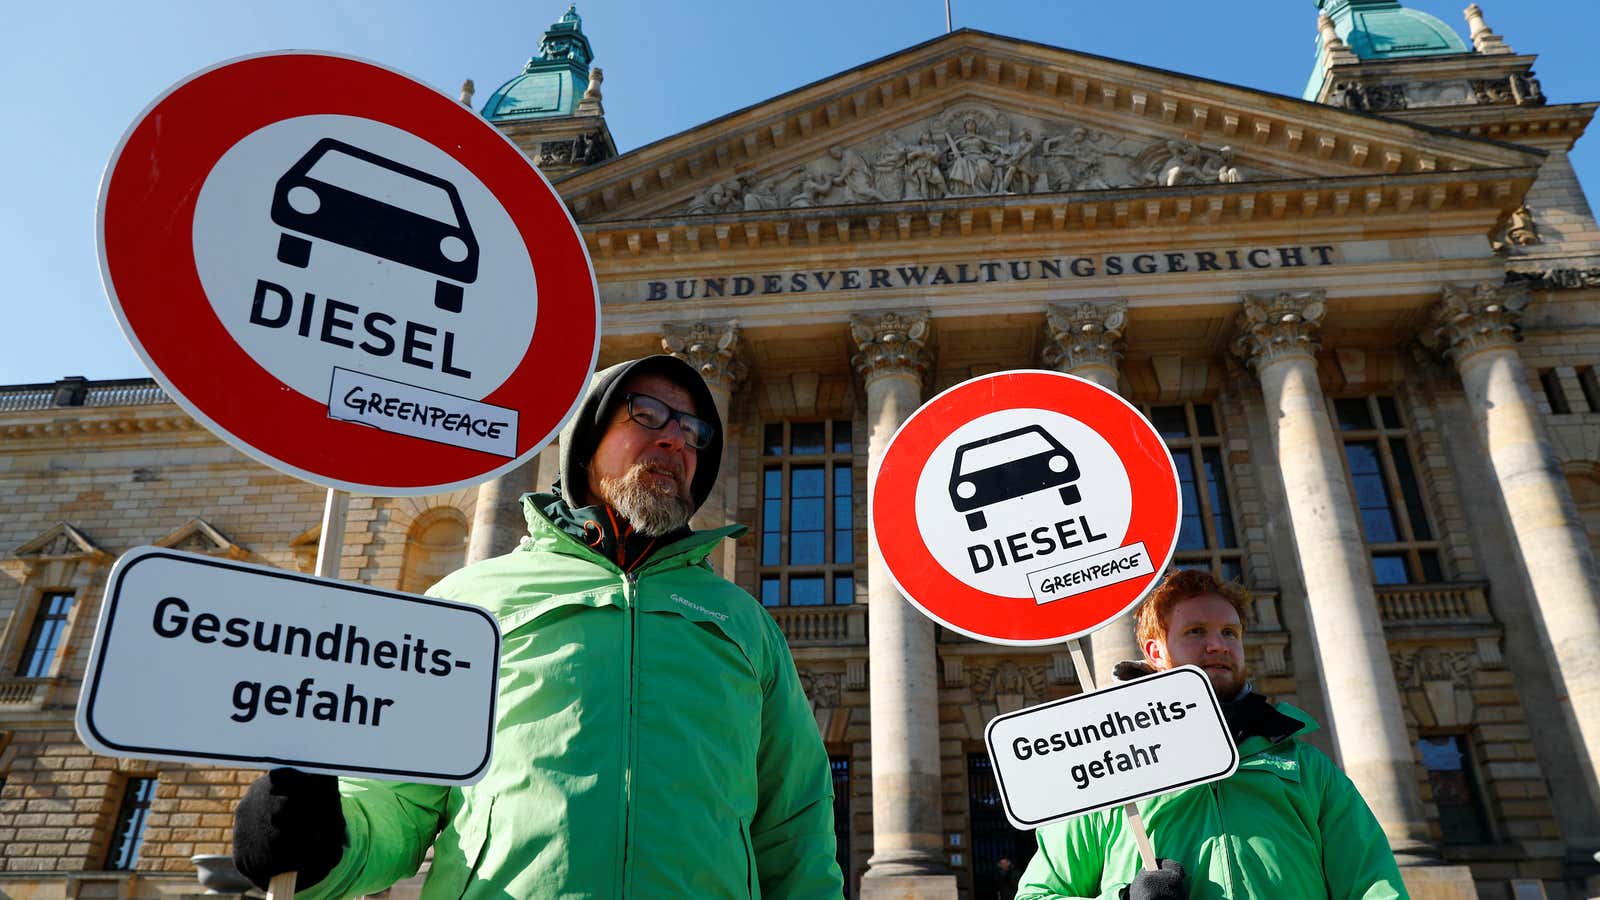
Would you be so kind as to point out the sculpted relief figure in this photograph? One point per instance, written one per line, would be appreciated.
(855, 176)
(1016, 167)
(1227, 169)
(1075, 163)
(724, 196)
(889, 168)
(1175, 163)
(973, 150)
(971, 170)
(811, 188)
(761, 195)
(1520, 230)
(923, 178)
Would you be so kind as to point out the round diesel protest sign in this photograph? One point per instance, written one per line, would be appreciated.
(1025, 507)
(347, 275)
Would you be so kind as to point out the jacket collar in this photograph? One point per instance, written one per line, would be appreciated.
(688, 550)
(1288, 711)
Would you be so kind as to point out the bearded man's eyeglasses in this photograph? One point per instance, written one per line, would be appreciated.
(654, 415)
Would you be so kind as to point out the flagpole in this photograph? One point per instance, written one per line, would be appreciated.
(946, 16)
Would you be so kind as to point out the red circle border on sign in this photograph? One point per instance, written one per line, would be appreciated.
(1011, 620)
(147, 209)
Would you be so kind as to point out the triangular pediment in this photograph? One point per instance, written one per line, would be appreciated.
(197, 536)
(978, 115)
(60, 542)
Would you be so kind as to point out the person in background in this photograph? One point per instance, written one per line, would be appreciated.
(1288, 825)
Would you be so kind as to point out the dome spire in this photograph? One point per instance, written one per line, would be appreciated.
(552, 83)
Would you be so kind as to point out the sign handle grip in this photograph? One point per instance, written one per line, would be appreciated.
(281, 887)
(329, 548)
(1130, 812)
(1147, 850)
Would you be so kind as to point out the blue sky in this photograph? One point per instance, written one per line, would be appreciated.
(76, 74)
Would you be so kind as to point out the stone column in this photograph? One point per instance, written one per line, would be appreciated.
(498, 522)
(907, 834)
(713, 349)
(1478, 326)
(1278, 337)
(1086, 340)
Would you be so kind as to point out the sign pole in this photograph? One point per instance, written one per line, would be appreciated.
(281, 887)
(1130, 811)
(330, 547)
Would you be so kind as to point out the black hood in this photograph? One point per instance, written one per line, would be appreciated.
(582, 433)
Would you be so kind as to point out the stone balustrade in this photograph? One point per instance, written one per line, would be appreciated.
(73, 392)
(138, 394)
(1413, 604)
(805, 626)
(25, 691)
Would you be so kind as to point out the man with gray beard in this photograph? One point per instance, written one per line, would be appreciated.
(652, 736)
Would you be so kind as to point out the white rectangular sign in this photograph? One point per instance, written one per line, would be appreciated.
(1127, 742)
(198, 659)
(419, 412)
(1090, 572)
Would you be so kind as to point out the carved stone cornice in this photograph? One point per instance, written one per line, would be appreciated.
(771, 139)
(891, 343)
(1279, 325)
(1556, 279)
(66, 429)
(1473, 317)
(1087, 334)
(712, 348)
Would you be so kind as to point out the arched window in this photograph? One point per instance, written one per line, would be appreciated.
(435, 547)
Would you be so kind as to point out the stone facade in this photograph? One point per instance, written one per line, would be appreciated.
(1364, 336)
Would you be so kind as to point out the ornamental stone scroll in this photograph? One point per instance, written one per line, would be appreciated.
(892, 343)
(1277, 325)
(1475, 317)
(713, 349)
(1087, 334)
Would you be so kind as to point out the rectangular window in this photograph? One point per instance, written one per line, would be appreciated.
(44, 640)
(993, 838)
(841, 811)
(128, 834)
(807, 554)
(1206, 535)
(1447, 758)
(1550, 380)
(1388, 494)
(1591, 388)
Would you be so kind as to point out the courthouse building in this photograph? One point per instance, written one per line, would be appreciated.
(1366, 320)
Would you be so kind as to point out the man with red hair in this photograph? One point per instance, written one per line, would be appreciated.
(1288, 824)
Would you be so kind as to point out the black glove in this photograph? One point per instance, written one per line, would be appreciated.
(1163, 883)
(289, 821)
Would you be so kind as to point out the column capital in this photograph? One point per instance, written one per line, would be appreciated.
(713, 348)
(891, 343)
(1278, 325)
(1473, 317)
(1085, 334)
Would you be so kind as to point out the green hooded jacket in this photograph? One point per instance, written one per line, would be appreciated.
(653, 740)
(1287, 825)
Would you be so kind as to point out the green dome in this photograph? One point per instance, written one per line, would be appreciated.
(552, 83)
(1383, 29)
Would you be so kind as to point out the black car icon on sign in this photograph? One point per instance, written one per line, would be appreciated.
(341, 193)
(1010, 465)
